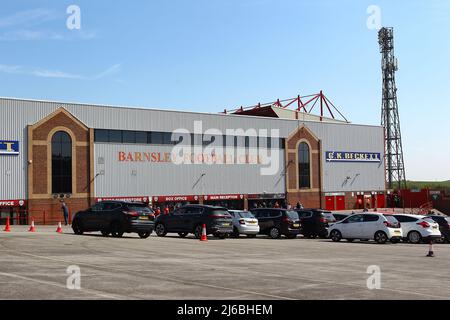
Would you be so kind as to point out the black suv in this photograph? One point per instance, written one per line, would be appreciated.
(115, 218)
(444, 226)
(190, 219)
(314, 223)
(276, 222)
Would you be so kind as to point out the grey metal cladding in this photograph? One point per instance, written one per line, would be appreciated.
(158, 178)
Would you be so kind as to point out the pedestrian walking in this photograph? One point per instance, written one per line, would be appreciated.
(65, 211)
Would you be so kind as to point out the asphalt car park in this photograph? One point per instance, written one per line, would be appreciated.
(35, 266)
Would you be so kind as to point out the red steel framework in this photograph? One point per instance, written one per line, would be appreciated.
(312, 101)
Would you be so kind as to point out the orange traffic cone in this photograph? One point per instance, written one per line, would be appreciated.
(32, 228)
(59, 230)
(8, 227)
(430, 250)
(204, 237)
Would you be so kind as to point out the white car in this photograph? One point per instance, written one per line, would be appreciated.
(367, 226)
(244, 222)
(418, 228)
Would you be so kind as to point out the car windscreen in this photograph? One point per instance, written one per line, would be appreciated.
(391, 219)
(293, 215)
(246, 214)
(221, 212)
(142, 209)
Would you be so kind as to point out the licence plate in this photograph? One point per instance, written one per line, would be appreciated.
(225, 224)
(252, 222)
(143, 218)
(296, 225)
(396, 231)
(435, 227)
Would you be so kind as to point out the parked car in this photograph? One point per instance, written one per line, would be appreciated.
(115, 218)
(314, 222)
(244, 222)
(418, 228)
(340, 216)
(276, 222)
(444, 226)
(190, 219)
(367, 226)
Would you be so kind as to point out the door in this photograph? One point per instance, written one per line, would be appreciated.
(329, 203)
(92, 217)
(340, 203)
(407, 223)
(174, 221)
(371, 225)
(381, 201)
(192, 217)
(360, 202)
(306, 221)
(110, 212)
(264, 220)
(352, 227)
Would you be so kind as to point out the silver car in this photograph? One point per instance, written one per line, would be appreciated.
(244, 222)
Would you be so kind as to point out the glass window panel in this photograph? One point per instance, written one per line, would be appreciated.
(129, 137)
(115, 136)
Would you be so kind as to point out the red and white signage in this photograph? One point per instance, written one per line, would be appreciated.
(130, 199)
(216, 197)
(161, 199)
(12, 203)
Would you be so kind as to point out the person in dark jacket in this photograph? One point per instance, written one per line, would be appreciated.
(65, 211)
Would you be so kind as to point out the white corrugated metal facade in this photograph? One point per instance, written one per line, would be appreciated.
(138, 179)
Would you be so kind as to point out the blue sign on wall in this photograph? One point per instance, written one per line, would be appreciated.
(342, 156)
(9, 147)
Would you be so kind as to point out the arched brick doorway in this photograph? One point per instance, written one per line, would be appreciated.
(44, 200)
(298, 191)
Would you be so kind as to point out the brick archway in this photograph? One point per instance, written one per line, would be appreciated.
(308, 197)
(43, 204)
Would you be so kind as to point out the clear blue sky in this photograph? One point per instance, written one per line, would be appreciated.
(207, 55)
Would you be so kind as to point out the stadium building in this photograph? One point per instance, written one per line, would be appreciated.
(264, 155)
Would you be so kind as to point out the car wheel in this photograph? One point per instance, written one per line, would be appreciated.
(198, 231)
(350, 240)
(105, 233)
(251, 236)
(414, 237)
(144, 235)
(440, 240)
(116, 230)
(380, 237)
(182, 234)
(274, 233)
(336, 235)
(160, 230)
(77, 227)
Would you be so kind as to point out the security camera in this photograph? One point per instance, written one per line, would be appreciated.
(30, 161)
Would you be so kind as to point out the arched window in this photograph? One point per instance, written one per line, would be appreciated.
(61, 163)
(304, 171)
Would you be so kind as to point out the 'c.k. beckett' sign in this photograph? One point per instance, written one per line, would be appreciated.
(342, 156)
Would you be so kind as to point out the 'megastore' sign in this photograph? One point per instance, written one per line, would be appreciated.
(342, 156)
